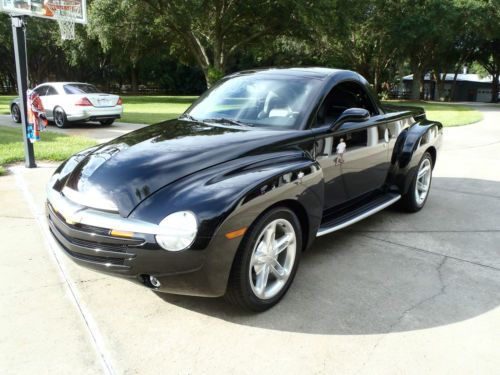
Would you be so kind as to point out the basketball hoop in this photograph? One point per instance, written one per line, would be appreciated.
(66, 12)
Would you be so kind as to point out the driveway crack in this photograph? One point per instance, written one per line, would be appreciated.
(441, 291)
(413, 248)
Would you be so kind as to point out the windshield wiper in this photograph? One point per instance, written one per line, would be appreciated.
(224, 120)
(188, 117)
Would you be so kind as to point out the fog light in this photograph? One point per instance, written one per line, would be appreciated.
(154, 281)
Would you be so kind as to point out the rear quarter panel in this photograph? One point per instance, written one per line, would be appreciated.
(414, 141)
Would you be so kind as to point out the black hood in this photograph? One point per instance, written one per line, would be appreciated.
(132, 167)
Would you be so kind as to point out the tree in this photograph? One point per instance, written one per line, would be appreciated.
(489, 58)
(46, 58)
(488, 53)
(210, 32)
(360, 39)
(124, 33)
(421, 30)
(7, 66)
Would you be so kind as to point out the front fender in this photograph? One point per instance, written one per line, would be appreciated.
(216, 192)
(229, 197)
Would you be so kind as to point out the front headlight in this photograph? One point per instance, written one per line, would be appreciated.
(178, 231)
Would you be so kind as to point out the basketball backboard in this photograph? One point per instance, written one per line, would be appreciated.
(46, 8)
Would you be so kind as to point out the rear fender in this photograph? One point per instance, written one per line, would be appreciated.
(410, 146)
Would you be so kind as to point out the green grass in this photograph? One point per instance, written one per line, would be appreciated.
(447, 114)
(153, 109)
(52, 147)
(4, 104)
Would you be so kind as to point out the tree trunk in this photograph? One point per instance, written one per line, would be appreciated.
(206, 75)
(213, 73)
(416, 84)
(494, 88)
(440, 81)
(376, 81)
(133, 80)
(454, 85)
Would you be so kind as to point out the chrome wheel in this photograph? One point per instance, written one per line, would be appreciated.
(272, 259)
(59, 118)
(423, 183)
(16, 113)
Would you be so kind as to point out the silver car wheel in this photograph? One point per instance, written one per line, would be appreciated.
(59, 117)
(423, 181)
(272, 259)
(16, 113)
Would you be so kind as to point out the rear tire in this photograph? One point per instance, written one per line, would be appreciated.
(15, 112)
(418, 192)
(266, 262)
(60, 119)
(107, 122)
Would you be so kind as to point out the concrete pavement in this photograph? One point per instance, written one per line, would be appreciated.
(394, 294)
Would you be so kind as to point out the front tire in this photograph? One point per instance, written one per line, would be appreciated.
(60, 118)
(15, 112)
(416, 196)
(267, 261)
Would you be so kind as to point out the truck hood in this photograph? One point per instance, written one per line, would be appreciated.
(120, 174)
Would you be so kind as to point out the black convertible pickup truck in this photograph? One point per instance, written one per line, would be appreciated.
(224, 199)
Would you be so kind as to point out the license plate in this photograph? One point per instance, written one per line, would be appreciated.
(103, 102)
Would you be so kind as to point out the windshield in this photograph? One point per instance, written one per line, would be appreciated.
(80, 88)
(257, 101)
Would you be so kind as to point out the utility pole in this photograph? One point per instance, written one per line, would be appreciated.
(19, 37)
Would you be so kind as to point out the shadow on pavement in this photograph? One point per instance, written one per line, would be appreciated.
(82, 125)
(391, 272)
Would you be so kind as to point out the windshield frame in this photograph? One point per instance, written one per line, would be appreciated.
(303, 116)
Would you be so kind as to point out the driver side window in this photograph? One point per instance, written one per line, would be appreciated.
(348, 94)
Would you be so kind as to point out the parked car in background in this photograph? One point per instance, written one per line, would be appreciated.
(67, 102)
(224, 199)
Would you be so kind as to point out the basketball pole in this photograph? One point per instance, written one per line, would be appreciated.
(19, 37)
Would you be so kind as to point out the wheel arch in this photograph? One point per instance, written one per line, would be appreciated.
(299, 210)
(409, 149)
(433, 152)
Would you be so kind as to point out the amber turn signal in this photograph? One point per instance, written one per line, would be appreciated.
(122, 233)
(236, 233)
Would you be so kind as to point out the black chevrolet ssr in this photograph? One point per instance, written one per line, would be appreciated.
(224, 199)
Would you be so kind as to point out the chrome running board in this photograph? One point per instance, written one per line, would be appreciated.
(340, 224)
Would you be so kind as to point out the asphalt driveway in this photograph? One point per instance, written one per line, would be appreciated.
(393, 294)
(93, 130)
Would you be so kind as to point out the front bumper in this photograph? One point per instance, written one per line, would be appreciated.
(84, 235)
